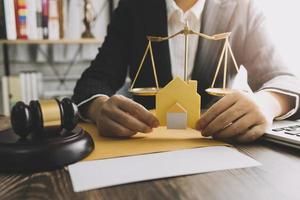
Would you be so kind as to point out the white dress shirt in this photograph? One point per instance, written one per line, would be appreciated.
(176, 22)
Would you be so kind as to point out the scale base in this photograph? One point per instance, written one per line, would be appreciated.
(42, 154)
(151, 91)
(220, 92)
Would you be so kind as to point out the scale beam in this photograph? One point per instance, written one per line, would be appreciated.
(186, 31)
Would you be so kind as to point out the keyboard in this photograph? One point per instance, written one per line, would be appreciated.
(285, 132)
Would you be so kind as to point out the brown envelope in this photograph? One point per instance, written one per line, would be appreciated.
(160, 140)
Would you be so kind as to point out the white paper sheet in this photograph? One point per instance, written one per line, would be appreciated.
(110, 172)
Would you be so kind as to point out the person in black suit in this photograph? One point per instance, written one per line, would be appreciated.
(241, 116)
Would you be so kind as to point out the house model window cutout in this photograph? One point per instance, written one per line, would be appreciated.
(177, 117)
(178, 95)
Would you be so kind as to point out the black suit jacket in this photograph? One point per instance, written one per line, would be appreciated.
(126, 41)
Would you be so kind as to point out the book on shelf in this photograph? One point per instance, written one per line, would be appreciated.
(10, 19)
(39, 16)
(32, 19)
(45, 17)
(5, 95)
(11, 92)
(14, 90)
(2, 21)
(31, 85)
(25, 87)
(21, 18)
(53, 20)
(16, 19)
(61, 17)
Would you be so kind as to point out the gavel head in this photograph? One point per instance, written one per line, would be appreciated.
(43, 116)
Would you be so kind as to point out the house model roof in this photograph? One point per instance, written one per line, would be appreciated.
(178, 83)
(177, 108)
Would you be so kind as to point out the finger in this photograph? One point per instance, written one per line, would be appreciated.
(139, 112)
(219, 107)
(226, 118)
(110, 128)
(251, 135)
(128, 121)
(239, 127)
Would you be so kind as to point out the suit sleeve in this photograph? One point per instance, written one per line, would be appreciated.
(108, 70)
(266, 68)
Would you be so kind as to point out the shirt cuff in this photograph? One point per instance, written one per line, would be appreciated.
(85, 102)
(292, 111)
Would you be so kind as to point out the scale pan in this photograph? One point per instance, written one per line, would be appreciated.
(144, 91)
(220, 92)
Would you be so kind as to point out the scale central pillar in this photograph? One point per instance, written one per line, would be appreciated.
(186, 32)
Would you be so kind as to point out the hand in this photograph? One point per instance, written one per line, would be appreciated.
(240, 116)
(119, 116)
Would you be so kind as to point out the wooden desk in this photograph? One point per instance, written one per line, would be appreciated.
(278, 178)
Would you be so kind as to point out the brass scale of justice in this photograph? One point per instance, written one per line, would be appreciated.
(186, 31)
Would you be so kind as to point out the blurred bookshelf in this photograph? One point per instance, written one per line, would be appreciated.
(16, 87)
(39, 23)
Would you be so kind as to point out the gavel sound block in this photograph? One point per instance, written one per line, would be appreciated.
(43, 137)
